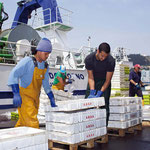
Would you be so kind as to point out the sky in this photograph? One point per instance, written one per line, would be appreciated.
(121, 23)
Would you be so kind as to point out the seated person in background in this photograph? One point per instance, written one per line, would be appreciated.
(60, 79)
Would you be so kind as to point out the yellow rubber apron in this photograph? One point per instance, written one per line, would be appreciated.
(30, 100)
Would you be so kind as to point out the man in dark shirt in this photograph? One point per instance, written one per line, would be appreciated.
(135, 82)
(100, 67)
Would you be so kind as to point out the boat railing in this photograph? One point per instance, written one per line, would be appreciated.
(38, 16)
(86, 49)
(8, 51)
(57, 57)
(65, 15)
(78, 56)
(7, 54)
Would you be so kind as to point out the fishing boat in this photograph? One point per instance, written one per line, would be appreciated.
(46, 20)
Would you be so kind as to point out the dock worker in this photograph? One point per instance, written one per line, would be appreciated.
(135, 82)
(26, 80)
(100, 67)
(3, 15)
(60, 79)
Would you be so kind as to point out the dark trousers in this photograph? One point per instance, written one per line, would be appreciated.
(98, 85)
(134, 91)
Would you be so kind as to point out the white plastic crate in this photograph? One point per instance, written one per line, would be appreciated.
(125, 109)
(89, 125)
(68, 118)
(90, 134)
(94, 133)
(123, 124)
(75, 117)
(118, 124)
(62, 127)
(146, 92)
(101, 123)
(101, 113)
(146, 108)
(125, 100)
(71, 105)
(76, 138)
(118, 78)
(101, 131)
(125, 117)
(120, 84)
(63, 137)
(22, 138)
(93, 114)
(134, 122)
(89, 115)
(75, 128)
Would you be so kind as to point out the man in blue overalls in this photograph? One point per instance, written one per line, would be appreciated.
(26, 80)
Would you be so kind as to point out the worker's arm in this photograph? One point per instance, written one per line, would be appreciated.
(91, 84)
(131, 77)
(108, 80)
(62, 82)
(23, 71)
(91, 80)
(133, 82)
(47, 89)
(136, 84)
(142, 84)
(20, 73)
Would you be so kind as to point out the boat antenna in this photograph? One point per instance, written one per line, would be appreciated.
(89, 41)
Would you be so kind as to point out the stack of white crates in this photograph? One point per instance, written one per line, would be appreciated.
(120, 80)
(23, 138)
(146, 112)
(59, 95)
(125, 112)
(75, 121)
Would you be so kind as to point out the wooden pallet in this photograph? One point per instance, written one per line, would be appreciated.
(146, 123)
(85, 144)
(121, 132)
